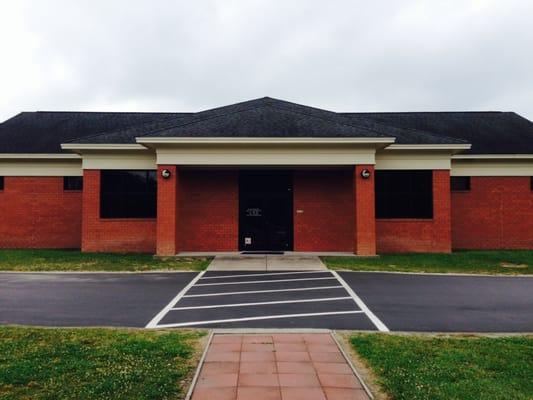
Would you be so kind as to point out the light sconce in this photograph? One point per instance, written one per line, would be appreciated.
(165, 174)
(365, 174)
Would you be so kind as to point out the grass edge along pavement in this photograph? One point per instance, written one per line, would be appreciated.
(97, 363)
(504, 262)
(75, 261)
(439, 367)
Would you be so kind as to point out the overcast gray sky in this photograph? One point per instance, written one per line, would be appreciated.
(410, 55)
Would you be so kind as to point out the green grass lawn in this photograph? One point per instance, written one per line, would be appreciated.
(83, 364)
(416, 368)
(486, 262)
(72, 260)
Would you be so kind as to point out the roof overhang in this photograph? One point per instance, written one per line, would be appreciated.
(207, 151)
(154, 141)
(80, 147)
(451, 148)
(493, 157)
(38, 156)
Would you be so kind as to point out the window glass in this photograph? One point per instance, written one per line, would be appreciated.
(73, 183)
(460, 183)
(404, 194)
(128, 194)
(1, 183)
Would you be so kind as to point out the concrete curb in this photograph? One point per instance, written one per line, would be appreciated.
(435, 273)
(199, 368)
(349, 361)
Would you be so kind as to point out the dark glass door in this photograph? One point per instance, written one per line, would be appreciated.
(265, 211)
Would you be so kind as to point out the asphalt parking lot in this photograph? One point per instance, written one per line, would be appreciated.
(86, 299)
(349, 300)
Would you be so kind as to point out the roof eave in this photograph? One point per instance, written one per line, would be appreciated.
(453, 148)
(39, 156)
(154, 141)
(493, 156)
(80, 147)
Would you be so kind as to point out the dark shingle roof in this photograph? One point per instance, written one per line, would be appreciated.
(255, 118)
(489, 132)
(266, 117)
(43, 131)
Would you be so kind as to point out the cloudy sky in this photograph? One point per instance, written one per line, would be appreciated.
(111, 55)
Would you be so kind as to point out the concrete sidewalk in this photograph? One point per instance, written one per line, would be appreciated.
(262, 262)
(282, 366)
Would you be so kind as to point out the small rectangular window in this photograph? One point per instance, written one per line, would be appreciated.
(128, 194)
(73, 183)
(1, 183)
(460, 183)
(404, 194)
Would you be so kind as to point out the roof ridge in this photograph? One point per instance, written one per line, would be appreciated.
(202, 119)
(346, 123)
(107, 112)
(426, 112)
(425, 132)
(275, 103)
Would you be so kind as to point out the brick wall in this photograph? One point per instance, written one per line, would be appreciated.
(327, 220)
(208, 213)
(497, 213)
(35, 212)
(414, 235)
(113, 235)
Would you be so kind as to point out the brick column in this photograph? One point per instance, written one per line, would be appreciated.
(90, 208)
(442, 211)
(364, 212)
(167, 210)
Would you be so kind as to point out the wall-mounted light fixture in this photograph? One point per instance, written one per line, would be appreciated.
(165, 174)
(365, 174)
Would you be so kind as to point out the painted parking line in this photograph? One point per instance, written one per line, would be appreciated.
(264, 291)
(153, 323)
(291, 298)
(264, 281)
(375, 320)
(217, 321)
(261, 303)
(264, 274)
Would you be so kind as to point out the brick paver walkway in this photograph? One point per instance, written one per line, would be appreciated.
(285, 366)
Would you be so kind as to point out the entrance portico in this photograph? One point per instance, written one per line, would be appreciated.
(289, 194)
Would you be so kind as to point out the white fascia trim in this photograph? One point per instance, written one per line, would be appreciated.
(259, 140)
(78, 146)
(39, 156)
(465, 146)
(492, 156)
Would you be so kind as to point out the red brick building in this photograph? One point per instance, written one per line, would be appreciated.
(266, 175)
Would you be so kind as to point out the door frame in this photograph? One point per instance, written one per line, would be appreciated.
(290, 174)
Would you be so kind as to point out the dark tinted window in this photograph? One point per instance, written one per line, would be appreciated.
(460, 183)
(1, 183)
(404, 194)
(73, 183)
(128, 194)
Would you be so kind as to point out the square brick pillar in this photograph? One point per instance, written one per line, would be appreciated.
(167, 211)
(442, 211)
(364, 212)
(90, 208)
